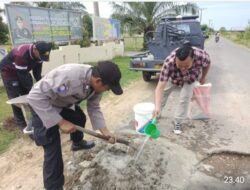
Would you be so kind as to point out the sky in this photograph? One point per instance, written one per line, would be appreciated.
(228, 14)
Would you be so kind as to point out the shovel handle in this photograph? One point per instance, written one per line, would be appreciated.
(98, 135)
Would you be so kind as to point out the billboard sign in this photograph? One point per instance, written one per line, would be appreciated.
(29, 24)
(106, 29)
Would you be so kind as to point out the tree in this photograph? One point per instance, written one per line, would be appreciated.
(87, 31)
(206, 29)
(188, 8)
(247, 32)
(222, 30)
(3, 32)
(77, 6)
(21, 3)
(142, 17)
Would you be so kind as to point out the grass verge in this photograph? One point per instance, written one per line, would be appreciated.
(237, 37)
(6, 138)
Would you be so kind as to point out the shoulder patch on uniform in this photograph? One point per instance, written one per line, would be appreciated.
(62, 88)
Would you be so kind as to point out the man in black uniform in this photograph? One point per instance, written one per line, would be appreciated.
(15, 68)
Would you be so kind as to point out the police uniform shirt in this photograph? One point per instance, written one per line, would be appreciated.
(63, 87)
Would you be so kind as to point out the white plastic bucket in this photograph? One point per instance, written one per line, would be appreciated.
(143, 113)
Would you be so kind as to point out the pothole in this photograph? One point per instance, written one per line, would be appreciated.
(226, 164)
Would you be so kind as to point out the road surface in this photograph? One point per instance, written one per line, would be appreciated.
(226, 135)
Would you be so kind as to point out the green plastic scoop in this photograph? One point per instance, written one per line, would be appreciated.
(151, 130)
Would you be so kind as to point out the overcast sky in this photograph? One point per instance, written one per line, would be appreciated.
(229, 14)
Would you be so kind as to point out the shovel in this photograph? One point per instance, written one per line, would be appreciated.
(98, 135)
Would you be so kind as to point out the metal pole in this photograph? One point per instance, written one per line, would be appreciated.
(210, 23)
(201, 9)
(200, 15)
(96, 14)
(96, 8)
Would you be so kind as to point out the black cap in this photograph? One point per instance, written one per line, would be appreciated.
(110, 74)
(44, 49)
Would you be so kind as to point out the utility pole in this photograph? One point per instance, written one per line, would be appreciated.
(96, 14)
(200, 10)
(210, 23)
(96, 9)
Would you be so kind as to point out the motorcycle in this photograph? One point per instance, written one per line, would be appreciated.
(217, 39)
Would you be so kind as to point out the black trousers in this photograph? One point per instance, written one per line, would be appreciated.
(15, 89)
(50, 140)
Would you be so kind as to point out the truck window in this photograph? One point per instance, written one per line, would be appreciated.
(189, 28)
(196, 29)
(185, 27)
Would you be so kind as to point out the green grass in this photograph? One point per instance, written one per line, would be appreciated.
(5, 109)
(237, 37)
(127, 75)
(6, 137)
(133, 43)
(8, 47)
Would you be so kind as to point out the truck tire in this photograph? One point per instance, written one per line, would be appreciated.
(146, 76)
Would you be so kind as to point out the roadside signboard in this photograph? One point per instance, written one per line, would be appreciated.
(30, 24)
(106, 29)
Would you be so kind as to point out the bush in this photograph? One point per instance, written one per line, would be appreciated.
(3, 32)
(247, 32)
(240, 35)
(87, 31)
(85, 42)
(54, 46)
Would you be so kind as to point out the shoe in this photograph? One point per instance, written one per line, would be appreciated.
(59, 188)
(82, 145)
(177, 128)
(29, 129)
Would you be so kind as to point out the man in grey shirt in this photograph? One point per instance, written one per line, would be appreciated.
(54, 101)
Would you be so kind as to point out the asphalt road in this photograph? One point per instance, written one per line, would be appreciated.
(230, 76)
(226, 134)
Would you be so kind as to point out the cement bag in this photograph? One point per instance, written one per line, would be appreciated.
(199, 107)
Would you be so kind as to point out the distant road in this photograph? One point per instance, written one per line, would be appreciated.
(230, 76)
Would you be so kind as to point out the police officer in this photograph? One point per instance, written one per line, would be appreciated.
(54, 100)
(21, 32)
(15, 68)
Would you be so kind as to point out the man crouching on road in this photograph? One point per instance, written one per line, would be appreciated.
(183, 67)
(55, 102)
